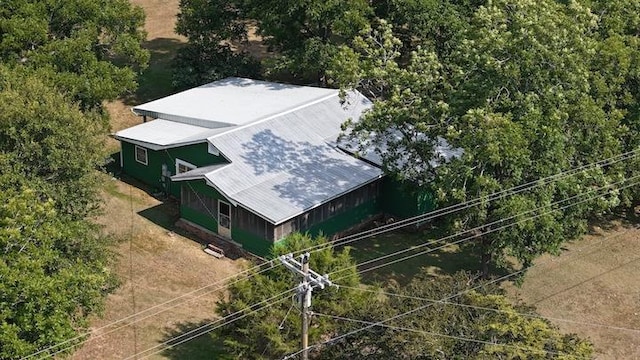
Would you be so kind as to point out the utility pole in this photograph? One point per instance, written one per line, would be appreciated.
(310, 279)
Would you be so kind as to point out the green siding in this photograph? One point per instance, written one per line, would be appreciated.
(346, 219)
(196, 217)
(151, 174)
(400, 200)
(201, 187)
(203, 219)
(250, 242)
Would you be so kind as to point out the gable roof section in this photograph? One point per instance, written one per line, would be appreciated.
(231, 102)
(283, 166)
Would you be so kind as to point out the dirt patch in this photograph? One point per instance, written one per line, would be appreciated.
(594, 286)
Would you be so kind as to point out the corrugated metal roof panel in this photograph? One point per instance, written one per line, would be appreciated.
(283, 167)
(197, 173)
(232, 101)
(165, 134)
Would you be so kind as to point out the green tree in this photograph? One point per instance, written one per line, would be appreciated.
(259, 335)
(90, 49)
(302, 35)
(213, 27)
(480, 313)
(53, 271)
(515, 98)
(50, 143)
(436, 25)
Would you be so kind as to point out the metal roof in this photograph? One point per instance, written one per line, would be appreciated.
(197, 173)
(232, 101)
(283, 166)
(373, 148)
(162, 134)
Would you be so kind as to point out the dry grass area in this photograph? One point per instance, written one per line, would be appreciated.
(594, 287)
(155, 265)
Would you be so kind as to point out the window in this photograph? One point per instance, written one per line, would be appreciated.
(183, 166)
(141, 155)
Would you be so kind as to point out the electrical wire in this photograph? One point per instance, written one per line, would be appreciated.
(222, 281)
(206, 328)
(342, 241)
(480, 229)
(461, 338)
(475, 307)
(470, 203)
(502, 278)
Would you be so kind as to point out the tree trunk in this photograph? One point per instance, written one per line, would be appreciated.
(485, 258)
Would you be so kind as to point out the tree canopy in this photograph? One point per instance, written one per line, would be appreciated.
(50, 142)
(53, 265)
(59, 60)
(53, 272)
(303, 37)
(274, 332)
(477, 324)
(521, 102)
(89, 49)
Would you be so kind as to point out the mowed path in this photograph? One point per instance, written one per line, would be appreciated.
(154, 264)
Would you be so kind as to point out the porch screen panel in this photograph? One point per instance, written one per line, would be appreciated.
(252, 223)
(328, 210)
(199, 202)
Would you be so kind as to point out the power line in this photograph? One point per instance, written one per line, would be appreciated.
(574, 204)
(339, 337)
(461, 338)
(228, 319)
(505, 225)
(480, 228)
(382, 322)
(222, 281)
(131, 278)
(339, 242)
(470, 203)
(475, 307)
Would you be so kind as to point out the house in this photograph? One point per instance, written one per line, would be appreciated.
(254, 161)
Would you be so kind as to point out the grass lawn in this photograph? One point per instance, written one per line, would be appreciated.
(156, 263)
(446, 260)
(591, 288)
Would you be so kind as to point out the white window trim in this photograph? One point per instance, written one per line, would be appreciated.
(146, 155)
(184, 163)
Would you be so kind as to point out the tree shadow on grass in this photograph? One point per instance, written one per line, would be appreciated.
(205, 346)
(626, 217)
(446, 260)
(157, 80)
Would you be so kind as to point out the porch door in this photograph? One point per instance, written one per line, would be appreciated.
(224, 219)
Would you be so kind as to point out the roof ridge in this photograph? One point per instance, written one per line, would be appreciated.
(276, 115)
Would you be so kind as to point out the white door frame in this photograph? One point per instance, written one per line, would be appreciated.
(224, 230)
